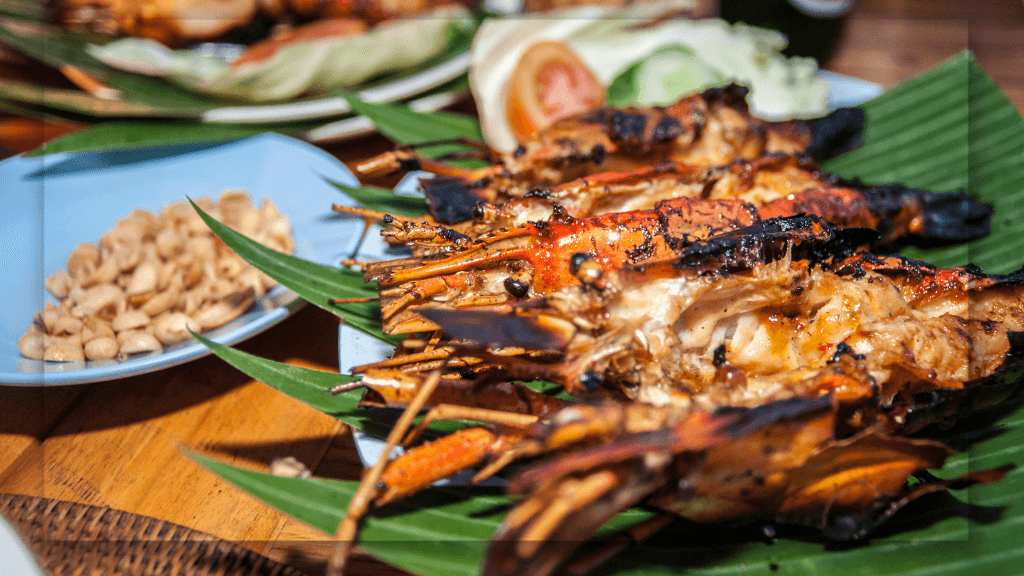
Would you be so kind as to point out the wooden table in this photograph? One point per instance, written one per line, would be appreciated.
(119, 443)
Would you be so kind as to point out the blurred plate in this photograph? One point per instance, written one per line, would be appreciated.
(392, 90)
(356, 348)
(142, 96)
(54, 203)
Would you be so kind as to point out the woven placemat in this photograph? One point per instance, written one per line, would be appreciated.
(80, 539)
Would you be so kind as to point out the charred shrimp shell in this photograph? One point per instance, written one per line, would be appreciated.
(780, 462)
(531, 260)
(776, 185)
(708, 129)
(780, 298)
(536, 257)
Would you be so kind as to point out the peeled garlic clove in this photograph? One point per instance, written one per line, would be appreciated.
(252, 278)
(169, 243)
(202, 248)
(63, 349)
(136, 342)
(161, 302)
(47, 318)
(103, 348)
(105, 273)
(64, 353)
(230, 265)
(174, 328)
(95, 328)
(220, 288)
(33, 343)
(59, 284)
(144, 278)
(233, 204)
(104, 301)
(250, 222)
(130, 319)
(128, 256)
(83, 260)
(67, 325)
(223, 311)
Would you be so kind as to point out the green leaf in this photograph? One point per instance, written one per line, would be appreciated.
(623, 89)
(141, 96)
(946, 130)
(416, 534)
(438, 531)
(316, 283)
(950, 129)
(383, 200)
(405, 126)
(119, 135)
(29, 9)
(55, 47)
(312, 387)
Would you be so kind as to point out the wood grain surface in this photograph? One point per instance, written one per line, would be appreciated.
(122, 443)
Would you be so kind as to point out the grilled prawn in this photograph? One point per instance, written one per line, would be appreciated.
(533, 258)
(929, 217)
(709, 129)
(734, 320)
(789, 461)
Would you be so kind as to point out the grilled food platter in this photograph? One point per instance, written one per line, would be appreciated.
(536, 282)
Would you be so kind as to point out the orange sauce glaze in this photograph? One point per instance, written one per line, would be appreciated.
(611, 240)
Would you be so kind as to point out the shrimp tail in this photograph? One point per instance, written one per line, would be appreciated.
(954, 217)
(835, 134)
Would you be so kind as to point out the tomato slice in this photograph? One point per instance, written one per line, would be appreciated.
(549, 82)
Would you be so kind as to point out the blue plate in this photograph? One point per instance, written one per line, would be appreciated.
(54, 203)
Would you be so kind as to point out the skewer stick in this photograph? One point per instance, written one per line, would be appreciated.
(360, 501)
(353, 300)
(367, 224)
(79, 78)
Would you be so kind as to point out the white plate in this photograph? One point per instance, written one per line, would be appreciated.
(388, 91)
(356, 348)
(53, 203)
(16, 558)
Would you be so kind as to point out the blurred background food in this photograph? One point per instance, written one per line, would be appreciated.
(161, 72)
(182, 22)
(251, 68)
(528, 72)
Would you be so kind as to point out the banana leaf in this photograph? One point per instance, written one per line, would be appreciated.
(948, 129)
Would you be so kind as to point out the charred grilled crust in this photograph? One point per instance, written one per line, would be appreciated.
(627, 126)
(835, 134)
(944, 217)
(808, 237)
(676, 218)
(749, 420)
(954, 217)
(923, 273)
(733, 96)
(450, 200)
(946, 406)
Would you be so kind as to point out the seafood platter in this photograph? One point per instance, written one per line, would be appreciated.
(735, 331)
(638, 293)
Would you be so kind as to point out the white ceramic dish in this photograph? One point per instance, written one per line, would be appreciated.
(53, 203)
(389, 91)
(16, 559)
(355, 348)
